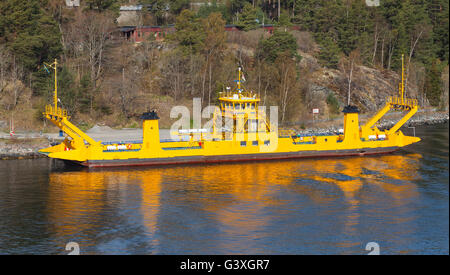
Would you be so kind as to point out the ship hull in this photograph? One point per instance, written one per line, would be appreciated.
(235, 158)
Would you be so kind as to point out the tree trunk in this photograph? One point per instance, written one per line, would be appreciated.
(382, 52)
(210, 83)
(409, 59)
(350, 83)
(279, 10)
(375, 47)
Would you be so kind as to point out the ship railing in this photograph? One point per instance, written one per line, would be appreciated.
(402, 102)
(59, 112)
(239, 95)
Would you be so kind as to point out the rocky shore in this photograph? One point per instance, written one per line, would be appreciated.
(22, 149)
(28, 147)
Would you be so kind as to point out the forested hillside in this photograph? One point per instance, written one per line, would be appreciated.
(321, 54)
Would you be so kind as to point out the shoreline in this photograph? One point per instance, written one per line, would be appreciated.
(28, 147)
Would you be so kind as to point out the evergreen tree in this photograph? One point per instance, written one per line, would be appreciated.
(329, 53)
(67, 90)
(433, 84)
(280, 42)
(285, 20)
(248, 19)
(439, 14)
(189, 32)
(205, 10)
(84, 93)
(102, 5)
(237, 5)
(306, 12)
(176, 6)
(159, 8)
(31, 35)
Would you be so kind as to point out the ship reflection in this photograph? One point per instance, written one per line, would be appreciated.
(233, 204)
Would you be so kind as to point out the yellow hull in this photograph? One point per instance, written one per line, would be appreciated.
(163, 153)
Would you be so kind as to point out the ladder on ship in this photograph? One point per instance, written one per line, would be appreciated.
(397, 103)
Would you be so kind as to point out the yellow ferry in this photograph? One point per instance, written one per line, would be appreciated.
(250, 136)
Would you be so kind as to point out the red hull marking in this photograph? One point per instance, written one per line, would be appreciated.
(120, 164)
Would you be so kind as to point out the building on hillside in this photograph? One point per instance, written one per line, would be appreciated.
(138, 34)
(231, 28)
(268, 27)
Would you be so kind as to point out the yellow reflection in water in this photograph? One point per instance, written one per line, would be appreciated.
(235, 195)
(73, 196)
(77, 199)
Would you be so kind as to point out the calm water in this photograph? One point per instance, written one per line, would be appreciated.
(314, 206)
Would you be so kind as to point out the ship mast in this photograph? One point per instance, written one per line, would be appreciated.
(54, 66)
(402, 91)
(239, 80)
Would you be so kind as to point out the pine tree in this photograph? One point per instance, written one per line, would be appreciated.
(306, 12)
(67, 90)
(248, 19)
(84, 93)
(31, 34)
(102, 5)
(329, 53)
(280, 42)
(189, 32)
(433, 84)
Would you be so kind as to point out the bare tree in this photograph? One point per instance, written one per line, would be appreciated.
(5, 61)
(348, 65)
(391, 46)
(214, 46)
(173, 71)
(418, 33)
(12, 75)
(286, 80)
(89, 38)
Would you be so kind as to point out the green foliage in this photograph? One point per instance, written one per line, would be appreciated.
(285, 20)
(237, 5)
(84, 93)
(31, 34)
(329, 53)
(67, 90)
(333, 104)
(433, 84)
(306, 13)
(189, 32)
(206, 10)
(41, 83)
(159, 8)
(248, 18)
(439, 15)
(102, 5)
(176, 6)
(351, 28)
(352, 25)
(279, 42)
